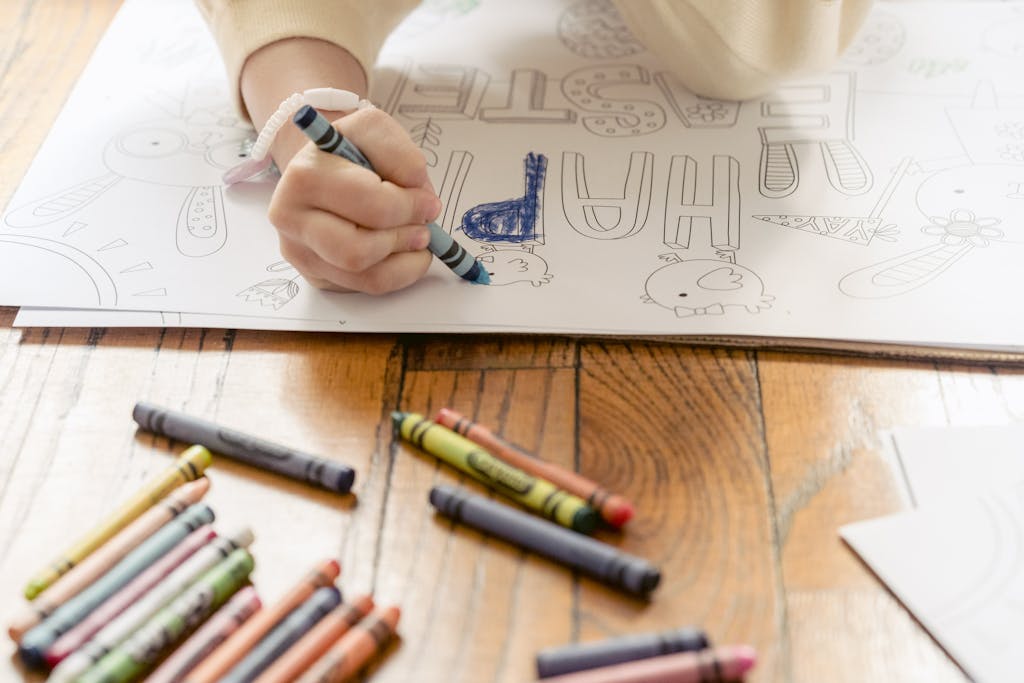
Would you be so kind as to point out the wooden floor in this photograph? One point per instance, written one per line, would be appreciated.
(743, 463)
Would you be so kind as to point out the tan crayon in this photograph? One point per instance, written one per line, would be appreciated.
(350, 654)
(707, 666)
(105, 557)
(238, 644)
(314, 644)
(613, 508)
(188, 467)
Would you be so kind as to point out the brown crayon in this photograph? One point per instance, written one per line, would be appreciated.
(350, 654)
(614, 509)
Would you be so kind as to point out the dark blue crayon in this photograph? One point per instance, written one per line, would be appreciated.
(567, 659)
(294, 626)
(600, 560)
(37, 641)
(318, 129)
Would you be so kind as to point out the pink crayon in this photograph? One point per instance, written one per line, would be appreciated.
(215, 631)
(706, 666)
(106, 556)
(124, 598)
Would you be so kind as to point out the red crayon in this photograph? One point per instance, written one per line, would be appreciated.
(707, 666)
(615, 509)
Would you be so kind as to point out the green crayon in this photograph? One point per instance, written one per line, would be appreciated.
(168, 626)
(537, 494)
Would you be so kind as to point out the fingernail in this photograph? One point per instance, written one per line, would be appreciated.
(433, 208)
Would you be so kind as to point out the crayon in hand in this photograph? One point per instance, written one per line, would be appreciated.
(452, 254)
(537, 494)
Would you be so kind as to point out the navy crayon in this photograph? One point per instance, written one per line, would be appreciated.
(318, 129)
(600, 560)
(285, 634)
(245, 448)
(555, 661)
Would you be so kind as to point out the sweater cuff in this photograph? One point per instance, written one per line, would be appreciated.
(241, 27)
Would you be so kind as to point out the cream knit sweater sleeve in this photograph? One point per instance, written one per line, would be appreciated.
(731, 49)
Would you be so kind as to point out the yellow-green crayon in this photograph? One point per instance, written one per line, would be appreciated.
(189, 467)
(537, 494)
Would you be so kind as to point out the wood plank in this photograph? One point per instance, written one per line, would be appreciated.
(476, 352)
(832, 464)
(679, 431)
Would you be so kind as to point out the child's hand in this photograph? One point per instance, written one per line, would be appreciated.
(347, 228)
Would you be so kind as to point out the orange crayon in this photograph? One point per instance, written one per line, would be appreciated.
(232, 650)
(350, 654)
(315, 644)
(615, 509)
(106, 556)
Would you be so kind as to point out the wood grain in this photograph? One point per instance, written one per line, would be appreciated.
(743, 464)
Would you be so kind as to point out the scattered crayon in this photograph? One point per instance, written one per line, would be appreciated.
(537, 494)
(352, 652)
(112, 629)
(452, 254)
(600, 560)
(245, 448)
(707, 666)
(189, 467)
(314, 644)
(162, 631)
(37, 641)
(285, 634)
(105, 557)
(615, 509)
(231, 651)
(103, 621)
(215, 631)
(557, 661)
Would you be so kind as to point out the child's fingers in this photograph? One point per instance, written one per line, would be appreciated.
(318, 180)
(386, 145)
(395, 272)
(355, 249)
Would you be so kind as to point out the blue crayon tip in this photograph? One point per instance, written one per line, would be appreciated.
(305, 116)
(480, 276)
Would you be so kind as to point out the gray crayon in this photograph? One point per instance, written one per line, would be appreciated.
(284, 635)
(37, 641)
(556, 661)
(246, 448)
(600, 560)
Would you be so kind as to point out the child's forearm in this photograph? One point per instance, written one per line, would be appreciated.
(279, 69)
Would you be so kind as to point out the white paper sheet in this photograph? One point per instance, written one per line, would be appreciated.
(882, 202)
(944, 464)
(960, 569)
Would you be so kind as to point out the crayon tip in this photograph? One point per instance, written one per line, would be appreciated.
(32, 590)
(396, 419)
(746, 657)
(585, 520)
(483, 278)
(617, 511)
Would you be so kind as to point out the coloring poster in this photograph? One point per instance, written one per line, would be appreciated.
(883, 201)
